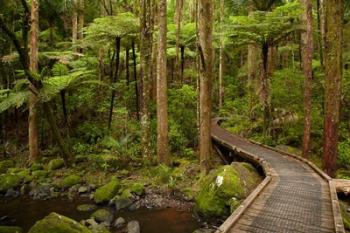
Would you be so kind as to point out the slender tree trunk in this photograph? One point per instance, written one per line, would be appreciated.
(205, 26)
(333, 29)
(56, 132)
(81, 20)
(221, 59)
(137, 97)
(75, 25)
(178, 21)
(146, 79)
(115, 78)
(33, 67)
(265, 89)
(162, 87)
(127, 70)
(307, 51)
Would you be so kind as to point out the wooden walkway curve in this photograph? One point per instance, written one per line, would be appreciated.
(295, 196)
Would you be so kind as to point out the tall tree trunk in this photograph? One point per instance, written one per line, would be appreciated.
(146, 79)
(81, 22)
(178, 21)
(221, 58)
(205, 27)
(56, 132)
(114, 80)
(307, 47)
(137, 97)
(333, 29)
(127, 70)
(33, 67)
(265, 89)
(162, 87)
(75, 25)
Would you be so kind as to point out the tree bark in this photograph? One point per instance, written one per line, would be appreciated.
(221, 58)
(33, 67)
(178, 21)
(137, 97)
(307, 51)
(75, 25)
(146, 79)
(127, 70)
(114, 80)
(205, 28)
(162, 87)
(81, 22)
(333, 35)
(265, 90)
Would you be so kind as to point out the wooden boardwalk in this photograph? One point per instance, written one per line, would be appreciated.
(294, 197)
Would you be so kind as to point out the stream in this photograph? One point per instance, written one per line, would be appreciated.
(24, 212)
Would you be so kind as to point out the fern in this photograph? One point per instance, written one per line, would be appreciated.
(12, 99)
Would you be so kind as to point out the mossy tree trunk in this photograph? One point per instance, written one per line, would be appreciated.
(307, 51)
(333, 41)
(33, 68)
(146, 23)
(162, 87)
(206, 54)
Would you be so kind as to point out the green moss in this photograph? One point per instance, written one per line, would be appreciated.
(8, 229)
(345, 215)
(137, 188)
(102, 215)
(55, 164)
(107, 191)
(25, 175)
(55, 223)
(5, 165)
(218, 189)
(36, 167)
(8, 181)
(40, 174)
(71, 180)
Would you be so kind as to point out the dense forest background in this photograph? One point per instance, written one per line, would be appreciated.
(87, 78)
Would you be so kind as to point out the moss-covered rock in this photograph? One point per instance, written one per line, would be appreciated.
(86, 207)
(8, 181)
(8, 229)
(221, 190)
(107, 191)
(103, 215)
(36, 167)
(71, 180)
(25, 175)
(40, 174)
(55, 223)
(55, 164)
(137, 188)
(6, 164)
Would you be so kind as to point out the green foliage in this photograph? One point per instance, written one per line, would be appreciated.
(10, 229)
(8, 181)
(12, 99)
(182, 115)
(5, 165)
(344, 153)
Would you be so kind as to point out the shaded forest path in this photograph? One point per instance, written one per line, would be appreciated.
(295, 196)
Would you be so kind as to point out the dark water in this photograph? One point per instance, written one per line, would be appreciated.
(25, 212)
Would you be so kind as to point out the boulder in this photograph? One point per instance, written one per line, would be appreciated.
(103, 215)
(86, 207)
(107, 191)
(55, 164)
(71, 180)
(137, 188)
(119, 222)
(12, 193)
(8, 229)
(9, 181)
(37, 167)
(133, 227)
(122, 203)
(55, 223)
(40, 174)
(217, 190)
